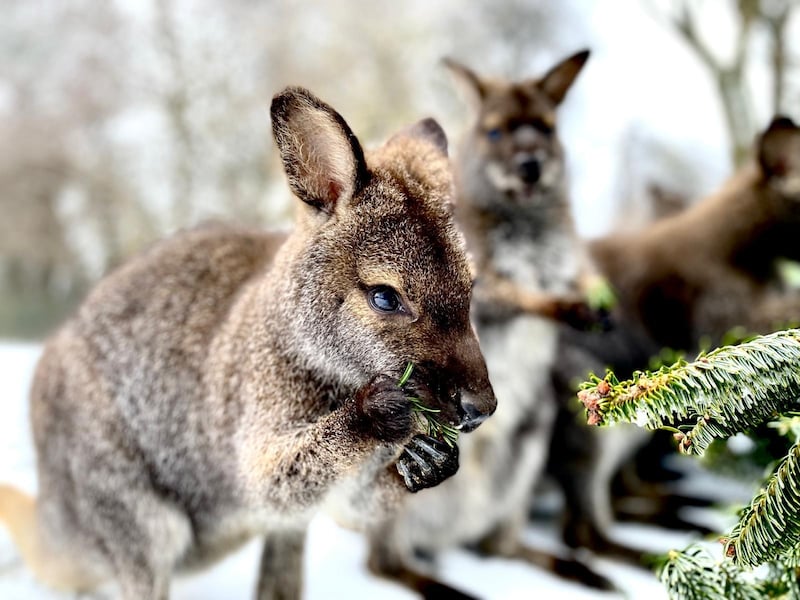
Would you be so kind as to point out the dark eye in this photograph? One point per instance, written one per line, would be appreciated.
(384, 299)
(543, 126)
(494, 135)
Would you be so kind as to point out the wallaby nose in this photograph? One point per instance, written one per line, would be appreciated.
(477, 402)
(529, 169)
(471, 416)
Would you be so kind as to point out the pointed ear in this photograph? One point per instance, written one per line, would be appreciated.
(557, 81)
(322, 158)
(779, 148)
(427, 130)
(466, 79)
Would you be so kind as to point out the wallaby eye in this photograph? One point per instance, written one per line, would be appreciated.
(494, 135)
(384, 299)
(543, 126)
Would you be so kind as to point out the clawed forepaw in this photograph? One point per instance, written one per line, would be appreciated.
(426, 462)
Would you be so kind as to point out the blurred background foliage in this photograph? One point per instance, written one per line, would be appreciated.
(122, 121)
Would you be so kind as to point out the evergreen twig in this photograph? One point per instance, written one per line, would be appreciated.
(770, 526)
(426, 415)
(726, 391)
(694, 574)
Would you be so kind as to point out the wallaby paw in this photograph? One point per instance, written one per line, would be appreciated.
(579, 315)
(384, 410)
(577, 571)
(426, 462)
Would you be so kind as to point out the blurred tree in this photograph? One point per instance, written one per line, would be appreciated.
(176, 99)
(752, 18)
(56, 105)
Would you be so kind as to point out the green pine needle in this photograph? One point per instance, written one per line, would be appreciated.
(770, 526)
(425, 415)
(600, 295)
(694, 574)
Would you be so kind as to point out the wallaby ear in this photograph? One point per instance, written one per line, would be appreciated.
(322, 158)
(467, 79)
(779, 148)
(427, 130)
(557, 81)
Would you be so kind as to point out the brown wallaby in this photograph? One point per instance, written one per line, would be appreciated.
(513, 205)
(218, 386)
(689, 277)
(706, 269)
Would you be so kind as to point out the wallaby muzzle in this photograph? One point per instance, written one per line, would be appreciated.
(529, 169)
(477, 399)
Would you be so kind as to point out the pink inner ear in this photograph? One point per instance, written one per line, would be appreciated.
(334, 191)
(780, 167)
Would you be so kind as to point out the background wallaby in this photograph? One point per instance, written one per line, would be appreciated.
(216, 387)
(513, 204)
(694, 275)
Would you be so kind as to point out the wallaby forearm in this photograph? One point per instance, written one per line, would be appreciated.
(505, 298)
(318, 455)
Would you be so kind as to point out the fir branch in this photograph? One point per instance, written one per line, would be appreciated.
(770, 527)
(694, 574)
(726, 391)
(425, 415)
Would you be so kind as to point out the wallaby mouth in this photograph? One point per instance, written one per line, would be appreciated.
(448, 400)
(432, 455)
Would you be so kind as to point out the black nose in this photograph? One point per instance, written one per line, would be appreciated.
(471, 417)
(529, 170)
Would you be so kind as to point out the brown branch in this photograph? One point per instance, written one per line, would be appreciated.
(776, 25)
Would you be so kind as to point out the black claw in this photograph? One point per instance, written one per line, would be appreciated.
(408, 478)
(427, 446)
(431, 463)
(424, 467)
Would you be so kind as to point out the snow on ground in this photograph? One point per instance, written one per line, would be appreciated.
(335, 557)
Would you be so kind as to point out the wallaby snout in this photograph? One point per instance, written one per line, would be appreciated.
(477, 401)
(472, 415)
(529, 168)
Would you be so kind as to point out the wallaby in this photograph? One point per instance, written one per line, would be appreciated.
(513, 205)
(689, 277)
(706, 269)
(218, 386)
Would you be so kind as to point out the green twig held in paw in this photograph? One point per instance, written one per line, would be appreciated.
(426, 415)
(600, 295)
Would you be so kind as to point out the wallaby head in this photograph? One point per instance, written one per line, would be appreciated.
(376, 275)
(775, 193)
(779, 156)
(514, 136)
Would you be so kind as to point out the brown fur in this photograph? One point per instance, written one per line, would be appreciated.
(217, 387)
(520, 231)
(511, 181)
(707, 269)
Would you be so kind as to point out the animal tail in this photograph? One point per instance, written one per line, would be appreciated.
(18, 514)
